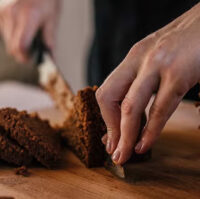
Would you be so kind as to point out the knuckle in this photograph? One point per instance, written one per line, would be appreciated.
(133, 51)
(161, 55)
(138, 48)
(142, 45)
(157, 112)
(154, 35)
(126, 106)
(100, 95)
(157, 56)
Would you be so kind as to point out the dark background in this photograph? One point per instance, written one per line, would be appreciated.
(121, 23)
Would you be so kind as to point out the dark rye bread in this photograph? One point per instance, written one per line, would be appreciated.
(11, 152)
(33, 134)
(84, 129)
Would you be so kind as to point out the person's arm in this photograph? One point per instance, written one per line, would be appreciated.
(167, 61)
(20, 20)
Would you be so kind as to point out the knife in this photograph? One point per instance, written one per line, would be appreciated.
(50, 77)
(128, 171)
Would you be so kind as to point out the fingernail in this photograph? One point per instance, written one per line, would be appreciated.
(138, 147)
(108, 146)
(116, 156)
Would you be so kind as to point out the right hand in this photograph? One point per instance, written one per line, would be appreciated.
(21, 20)
(167, 61)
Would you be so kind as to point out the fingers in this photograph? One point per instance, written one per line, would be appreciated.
(20, 23)
(8, 24)
(132, 109)
(111, 114)
(28, 24)
(165, 103)
(109, 96)
(114, 89)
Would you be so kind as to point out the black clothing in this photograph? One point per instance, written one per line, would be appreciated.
(121, 23)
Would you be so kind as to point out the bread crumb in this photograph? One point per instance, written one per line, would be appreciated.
(23, 171)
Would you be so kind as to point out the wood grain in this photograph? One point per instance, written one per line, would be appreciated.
(174, 171)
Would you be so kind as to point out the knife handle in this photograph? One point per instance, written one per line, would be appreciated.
(38, 48)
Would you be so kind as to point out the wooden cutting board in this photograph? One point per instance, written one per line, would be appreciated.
(174, 171)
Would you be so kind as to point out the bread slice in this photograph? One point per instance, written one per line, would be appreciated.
(85, 127)
(33, 134)
(12, 152)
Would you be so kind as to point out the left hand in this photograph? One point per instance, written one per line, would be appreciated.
(20, 21)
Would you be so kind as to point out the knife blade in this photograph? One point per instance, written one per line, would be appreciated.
(50, 77)
(127, 171)
(115, 169)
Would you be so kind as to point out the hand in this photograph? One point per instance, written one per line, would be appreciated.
(22, 19)
(167, 61)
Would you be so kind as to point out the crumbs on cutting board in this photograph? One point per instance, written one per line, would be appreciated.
(23, 171)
